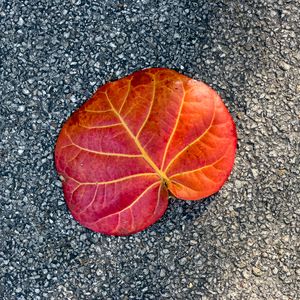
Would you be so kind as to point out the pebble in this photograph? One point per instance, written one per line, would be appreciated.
(284, 66)
(21, 21)
(238, 184)
(246, 274)
(183, 261)
(257, 272)
(162, 273)
(21, 108)
(73, 98)
(26, 92)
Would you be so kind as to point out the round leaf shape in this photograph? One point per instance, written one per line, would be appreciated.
(138, 139)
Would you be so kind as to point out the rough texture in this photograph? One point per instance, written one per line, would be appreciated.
(242, 243)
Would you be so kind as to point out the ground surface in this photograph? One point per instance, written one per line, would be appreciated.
(243, 243)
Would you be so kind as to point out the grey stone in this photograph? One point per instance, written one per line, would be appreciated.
(183, 261)
(284, 66)
(257, 271)
(246, 274)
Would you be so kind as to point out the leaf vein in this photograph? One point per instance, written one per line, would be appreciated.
(175, 127)
(127, 95)
(145, 155)
(91, 203)
(100, 126)
(114, 180)
(150, 109)
(99, 152)
(129, 206)
(193, 142)
(201, 168)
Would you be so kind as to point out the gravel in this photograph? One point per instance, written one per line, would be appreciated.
(242, 243)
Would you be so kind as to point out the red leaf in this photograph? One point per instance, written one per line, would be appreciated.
(138, 138)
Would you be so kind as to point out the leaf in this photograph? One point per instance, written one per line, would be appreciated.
(138, 139)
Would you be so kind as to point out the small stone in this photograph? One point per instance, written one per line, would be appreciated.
(285, 238)
(73, 98)
(246, 274)
(257, 272)
(182, 261)
(99, 272)
(284, 66)
(177, 35)
(162, 273)
(275, 271)
(193, 242)
(151, 256)
(58, 183)
(238, 184)
(273, 153)
(21, 108)
(20, 151)
(248, 46)
(255, 173)
(21, 21)
(25, 91)
(240, 264)
(83, 237)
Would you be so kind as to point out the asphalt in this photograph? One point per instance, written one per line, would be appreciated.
(242, 243)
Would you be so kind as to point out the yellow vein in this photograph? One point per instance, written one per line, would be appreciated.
(100, 126)
(201, 168)
(99, 152)
(213, 181)
(150, 109)
(184, 185)
(114, 180)
(74, 157)
(117, 226)
(91, 203)
(66, 146)
(144, 153)
(195, 141)
(175, 127)
(77, 187)
(132, 219)
(129, 206)
(218, 137)
(127, 95)
(158, 199)
(97, 111)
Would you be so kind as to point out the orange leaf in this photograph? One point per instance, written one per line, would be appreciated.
(138, 138)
